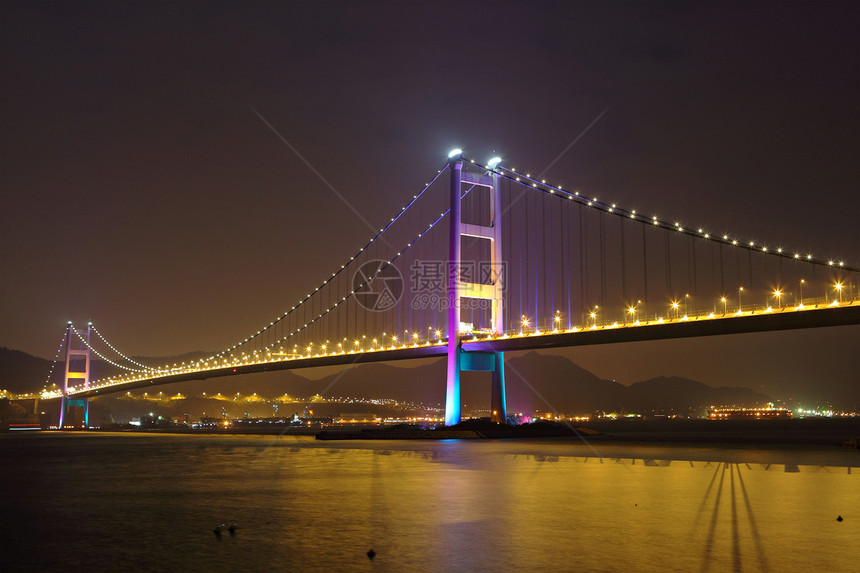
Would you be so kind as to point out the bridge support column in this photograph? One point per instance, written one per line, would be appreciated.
(76, 408)
(452, 394)
(491, 290)
(498, 407)
(493, 362)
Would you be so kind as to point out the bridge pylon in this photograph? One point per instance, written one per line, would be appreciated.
(458, 360)
(77, 371)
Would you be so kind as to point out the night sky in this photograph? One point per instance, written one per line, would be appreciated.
(142, 190)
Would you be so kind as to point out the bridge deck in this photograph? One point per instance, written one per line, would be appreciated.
(749, 322)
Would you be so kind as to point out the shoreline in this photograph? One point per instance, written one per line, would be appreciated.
(804, 432)
(815, 432)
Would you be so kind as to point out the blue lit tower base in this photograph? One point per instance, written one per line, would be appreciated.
(459, 360)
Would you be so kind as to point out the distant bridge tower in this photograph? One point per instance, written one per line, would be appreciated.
(458, 360)
(77, 373)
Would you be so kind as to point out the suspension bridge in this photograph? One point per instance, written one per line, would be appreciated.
(487, 259)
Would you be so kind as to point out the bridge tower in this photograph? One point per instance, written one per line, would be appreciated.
(463, 172)
(77, 371)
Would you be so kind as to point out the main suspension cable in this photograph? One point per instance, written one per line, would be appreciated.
(334, 275)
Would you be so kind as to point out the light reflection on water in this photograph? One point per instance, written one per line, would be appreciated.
(142, 501)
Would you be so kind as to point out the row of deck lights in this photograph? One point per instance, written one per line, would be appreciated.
(380, 343)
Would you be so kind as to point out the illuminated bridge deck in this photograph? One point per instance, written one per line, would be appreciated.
(748, 321)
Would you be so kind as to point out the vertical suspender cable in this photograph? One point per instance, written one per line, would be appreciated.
(713, 280)
(583, 262)
(566, 212)
(645, 259)
(527, 238)
(602, 260)
(669, 265)
(536, 268)
(780, 271)
(623, 264)
(551, 278)
(354, 302)
(722, 273)
(739, 268)
(436, 300)
(690, 257)
(695, 276)
(749, 258)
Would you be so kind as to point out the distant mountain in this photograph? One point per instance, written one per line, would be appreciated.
(676, 394)
(162, 360)
(21, 372)
(533, 382)
(547, 383)
(554, 383)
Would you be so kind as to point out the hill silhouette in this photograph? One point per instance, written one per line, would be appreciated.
(22, 373)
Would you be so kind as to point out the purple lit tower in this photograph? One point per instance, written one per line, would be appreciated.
(77, 370)
(466, 172)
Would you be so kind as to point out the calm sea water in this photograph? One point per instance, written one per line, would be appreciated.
(135, 502)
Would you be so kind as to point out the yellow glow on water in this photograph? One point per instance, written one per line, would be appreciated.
(728, 509)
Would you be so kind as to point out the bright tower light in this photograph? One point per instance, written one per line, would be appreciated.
(455, 153)
(492, 163)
